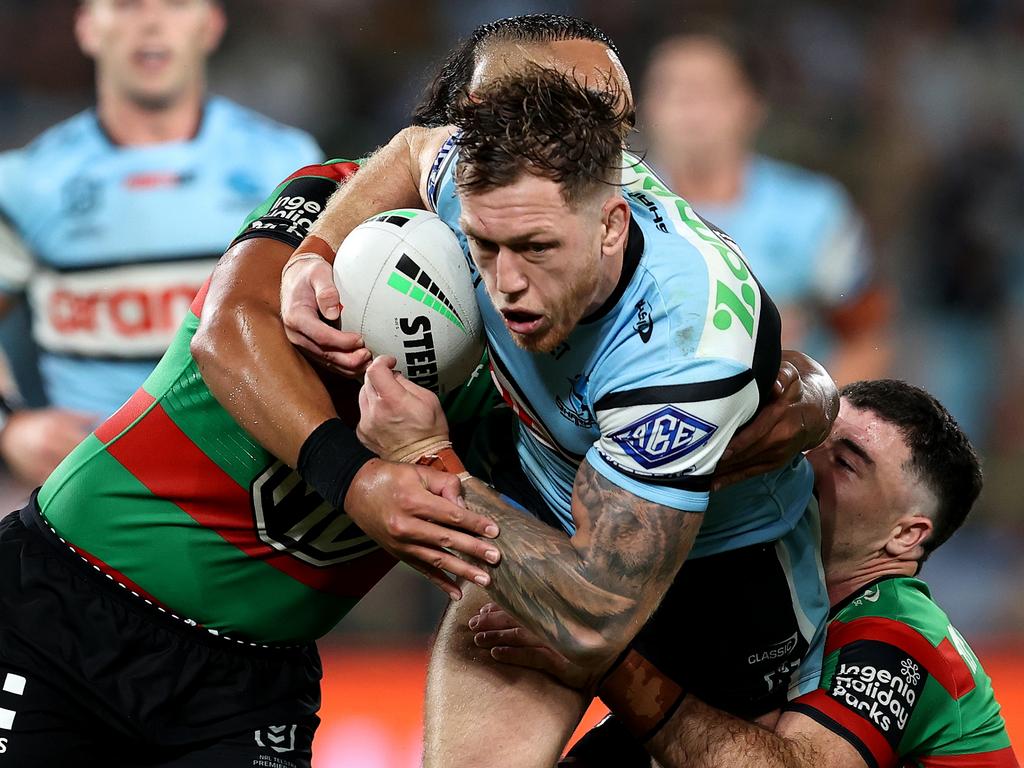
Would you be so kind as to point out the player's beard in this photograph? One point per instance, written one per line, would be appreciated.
(562, 319)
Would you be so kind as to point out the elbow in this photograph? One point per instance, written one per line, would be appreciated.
(594, 647)
(209, 342)
(202, 346)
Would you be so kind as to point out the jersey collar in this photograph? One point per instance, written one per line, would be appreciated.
(838, 607)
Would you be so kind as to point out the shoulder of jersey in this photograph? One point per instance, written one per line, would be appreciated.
(901, 599)
(65, 137)
(800, 183)
(56, 154)
(668, 255)
(260, 127)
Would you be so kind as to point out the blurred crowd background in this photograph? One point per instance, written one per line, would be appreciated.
(915, 106)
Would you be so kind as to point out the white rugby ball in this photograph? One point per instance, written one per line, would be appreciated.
(406, 287)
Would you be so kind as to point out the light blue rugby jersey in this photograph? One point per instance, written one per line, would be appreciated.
(805, 241)
(117, 240)
(652, 387)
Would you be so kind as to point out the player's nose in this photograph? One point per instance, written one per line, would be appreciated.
(509, 277)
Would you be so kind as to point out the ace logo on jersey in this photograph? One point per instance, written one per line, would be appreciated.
(663, 436)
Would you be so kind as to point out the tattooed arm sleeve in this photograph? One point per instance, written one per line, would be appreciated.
(588, 595)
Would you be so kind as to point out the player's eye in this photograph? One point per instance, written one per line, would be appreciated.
(483, 246)
(847, 466)
(538, 248)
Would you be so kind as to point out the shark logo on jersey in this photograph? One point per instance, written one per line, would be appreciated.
(663, 436)
(575, 407)
(80, 195)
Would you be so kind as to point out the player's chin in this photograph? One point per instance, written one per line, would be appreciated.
(543, 340)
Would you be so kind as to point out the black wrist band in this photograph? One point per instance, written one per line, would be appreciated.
(330, 458)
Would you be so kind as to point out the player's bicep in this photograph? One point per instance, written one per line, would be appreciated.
(664, 442)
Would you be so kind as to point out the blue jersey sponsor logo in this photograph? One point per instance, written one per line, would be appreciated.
(663, 436)
(644, 321)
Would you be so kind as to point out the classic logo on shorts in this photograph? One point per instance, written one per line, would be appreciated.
(663, 436)
(291, 517)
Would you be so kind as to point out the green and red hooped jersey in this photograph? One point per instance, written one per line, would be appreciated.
(175, 501)
(901, 685)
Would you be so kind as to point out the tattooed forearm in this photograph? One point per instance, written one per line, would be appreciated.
(589, 595)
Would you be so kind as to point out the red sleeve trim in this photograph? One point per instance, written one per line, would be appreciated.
(943, 663)
(340, 171)
(835, 712)
(123, 417)
(1000, 758)
(197, 303)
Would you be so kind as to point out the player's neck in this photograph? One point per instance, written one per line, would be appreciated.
(845, 581)
(714, 180)
(129, 123)
(610, 276)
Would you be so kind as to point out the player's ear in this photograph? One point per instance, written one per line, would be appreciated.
(908, 537)
(85, 29)
(614, 223)
(216, 23)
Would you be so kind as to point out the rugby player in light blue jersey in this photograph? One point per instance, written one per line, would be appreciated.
(113, 218)
(632, 373)
(703, 104)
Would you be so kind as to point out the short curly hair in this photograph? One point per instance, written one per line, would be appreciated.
(544, 122)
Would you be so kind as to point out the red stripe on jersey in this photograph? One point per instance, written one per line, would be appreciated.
(193, 482)
(962, 676)
(200, 299)
(124, 416)
(1000, 758)
(856, 724)
(947, 667)
(341, 171)
(117, 576)
(506, 395)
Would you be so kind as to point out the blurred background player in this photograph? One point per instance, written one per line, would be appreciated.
(115, 217)
(702, 106)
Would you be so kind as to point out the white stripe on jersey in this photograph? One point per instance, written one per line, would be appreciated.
(119, 311)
